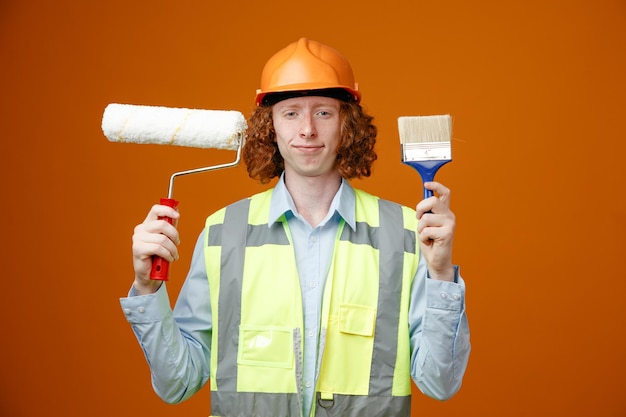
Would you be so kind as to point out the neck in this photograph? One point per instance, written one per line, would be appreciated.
(313, 195)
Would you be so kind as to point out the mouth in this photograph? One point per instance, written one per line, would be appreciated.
(309, 148)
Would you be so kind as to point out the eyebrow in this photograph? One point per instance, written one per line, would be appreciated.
(314, 104)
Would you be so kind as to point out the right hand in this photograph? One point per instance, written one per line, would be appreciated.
(154, 237)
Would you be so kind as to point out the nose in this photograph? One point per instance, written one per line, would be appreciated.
(307, 127)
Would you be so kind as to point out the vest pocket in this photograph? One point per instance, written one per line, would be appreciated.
(357, 319)
(265, 346)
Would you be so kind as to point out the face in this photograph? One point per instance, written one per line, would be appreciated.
(307, 134)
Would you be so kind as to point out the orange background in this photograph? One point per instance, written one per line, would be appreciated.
(537, 90)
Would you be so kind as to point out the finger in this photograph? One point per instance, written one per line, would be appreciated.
(438, 227)
(146, 245)
(146, 252)
(159, 227)
(424, 207)
(424, 221)
(441, 234)
(433, 205)
(159, 210)
(442, 192)
(157, 232)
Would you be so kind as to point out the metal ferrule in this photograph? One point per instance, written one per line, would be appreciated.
(426, 151)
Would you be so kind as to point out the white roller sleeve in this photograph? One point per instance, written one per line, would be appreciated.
(129, 123)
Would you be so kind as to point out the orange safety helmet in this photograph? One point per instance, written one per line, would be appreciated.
(307, 65)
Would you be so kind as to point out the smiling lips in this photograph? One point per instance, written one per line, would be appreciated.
(308, 148)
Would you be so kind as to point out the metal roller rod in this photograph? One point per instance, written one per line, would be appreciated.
(206, 169)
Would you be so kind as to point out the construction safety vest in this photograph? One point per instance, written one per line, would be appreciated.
(256, 354)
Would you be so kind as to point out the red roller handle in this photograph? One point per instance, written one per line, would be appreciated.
(160, 267)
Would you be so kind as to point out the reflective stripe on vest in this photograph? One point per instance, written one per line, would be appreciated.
(232, 240)
(387, 383)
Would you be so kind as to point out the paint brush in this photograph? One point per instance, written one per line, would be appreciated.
(425, 144)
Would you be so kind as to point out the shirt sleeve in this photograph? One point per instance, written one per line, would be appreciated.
(439, 333)
(176, 343)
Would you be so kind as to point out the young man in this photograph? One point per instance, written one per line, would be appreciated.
(312, 298)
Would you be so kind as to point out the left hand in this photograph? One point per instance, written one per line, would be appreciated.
(436, 231)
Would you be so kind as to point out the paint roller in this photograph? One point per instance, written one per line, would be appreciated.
(217, 129)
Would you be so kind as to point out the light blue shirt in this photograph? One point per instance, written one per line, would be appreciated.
(177, 344)
(314, 248)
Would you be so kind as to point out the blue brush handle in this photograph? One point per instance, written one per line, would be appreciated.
(427, 170)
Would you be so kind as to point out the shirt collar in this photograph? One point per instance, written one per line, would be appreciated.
(343, 203)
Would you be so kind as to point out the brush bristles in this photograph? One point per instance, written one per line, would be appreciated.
(417, 129)
(425, 138)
